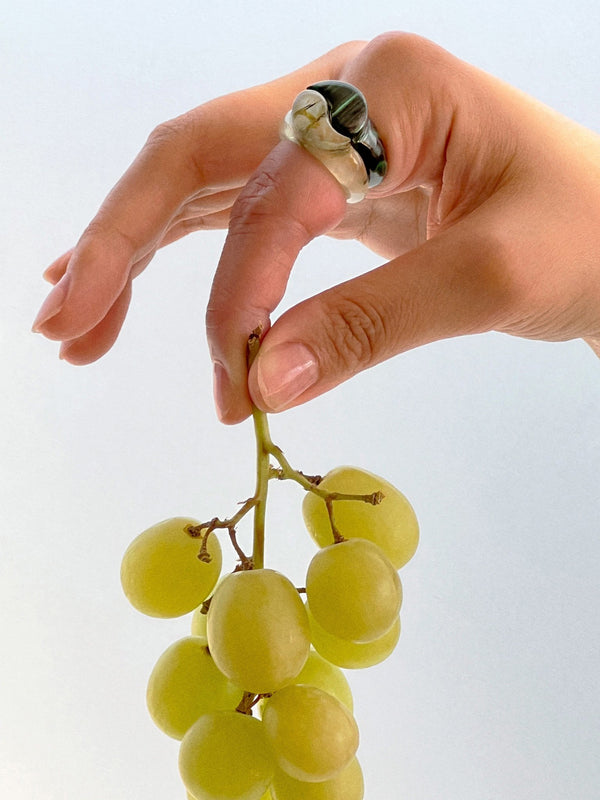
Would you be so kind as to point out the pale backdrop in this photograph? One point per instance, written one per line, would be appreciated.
(493, 691)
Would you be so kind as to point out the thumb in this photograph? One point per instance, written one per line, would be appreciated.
(449, 286)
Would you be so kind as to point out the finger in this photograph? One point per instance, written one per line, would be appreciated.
(214, 147)
(93, 345)
(209, 222)
(291, 199)
(57, 269)
(204, 211)
(96, 342)
(594, 344)
(450, 286)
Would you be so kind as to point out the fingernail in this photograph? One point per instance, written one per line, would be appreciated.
(52, 304)
(221, 389)
(284, 372)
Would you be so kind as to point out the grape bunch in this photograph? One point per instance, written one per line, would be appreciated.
(256, 691)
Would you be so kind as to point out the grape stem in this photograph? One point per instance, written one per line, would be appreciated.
(248, 701)
(265, 449)
(263, 445)
(204, 529)
(311, 484)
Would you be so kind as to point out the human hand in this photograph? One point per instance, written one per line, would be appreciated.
(489, 216)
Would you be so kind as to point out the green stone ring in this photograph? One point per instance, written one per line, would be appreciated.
(330, 119)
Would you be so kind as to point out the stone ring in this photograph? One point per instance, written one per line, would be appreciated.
(330, 119)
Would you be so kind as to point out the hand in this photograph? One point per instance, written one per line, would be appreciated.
(489, 216)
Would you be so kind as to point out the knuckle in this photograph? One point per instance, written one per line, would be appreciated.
(407, 50)
(183, 135)
(183, 127)
(260, 210)
(100, 234)
(166, 132)
(103, 234)
(355, 333)
(258, 199)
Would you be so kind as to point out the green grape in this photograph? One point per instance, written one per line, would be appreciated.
(392, 524)
(346, 785)
(161, 574)
(258, 631)
(226, 755)
(184, 684)
(266, 796)
(313, 734)
(326, 676)
(353, 590)
(352, 655)
(199, 617)
(198, 622)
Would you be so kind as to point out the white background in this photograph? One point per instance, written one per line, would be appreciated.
(493, 692)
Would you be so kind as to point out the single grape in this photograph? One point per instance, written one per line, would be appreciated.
(353, 590)
(352, 655)
(184, 684)
(326, 676)
(258, 631)
(392, 524)
(199, 616)
(266, 796)
(226, 755)
(161, 574)
(346, 785)
(198, 622)
(313, 734)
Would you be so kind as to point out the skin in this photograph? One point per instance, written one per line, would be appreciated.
(488, 219)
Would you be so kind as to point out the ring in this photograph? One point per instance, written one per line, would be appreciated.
(330, 119)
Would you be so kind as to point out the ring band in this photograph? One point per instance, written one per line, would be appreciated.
(330, 119)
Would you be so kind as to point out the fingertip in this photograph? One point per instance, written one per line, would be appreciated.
(51, 307)
(234, 417)
(78, 354)
(230, 407)
(70, 356)
(57, 268)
